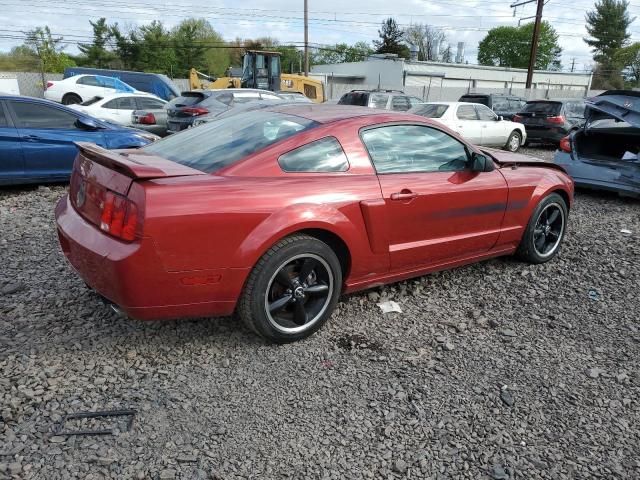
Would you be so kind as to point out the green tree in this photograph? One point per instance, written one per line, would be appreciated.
(342, 52)
(96, 53)
(607, 27)
(192, 39)
(391, 38)
(127, 48)
(19, 59)
(629, 59)
(511, 47)
(48, 50)
(156, 52)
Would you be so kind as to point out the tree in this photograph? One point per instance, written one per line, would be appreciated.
(197, 45)
(607, 26)
(96, 53)
(127, 48)
(342, 52)
(511, 47)
(48, 50)
(629, 59)
(427, 39)
(391, 38)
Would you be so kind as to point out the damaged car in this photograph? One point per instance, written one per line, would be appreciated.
(605, 153)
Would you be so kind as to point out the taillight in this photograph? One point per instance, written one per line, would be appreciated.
(517, 118)
(195, 111)
(559, 120)
(119, 216)
(148, 119)
(49, 84)
(565, 144)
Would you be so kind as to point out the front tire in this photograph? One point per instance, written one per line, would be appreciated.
(513, 142)
(292, 290)
(545, 231)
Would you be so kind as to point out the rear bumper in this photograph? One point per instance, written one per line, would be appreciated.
(131, 275)
(545, 134)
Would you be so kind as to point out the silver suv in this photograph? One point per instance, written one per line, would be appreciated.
(383, 99)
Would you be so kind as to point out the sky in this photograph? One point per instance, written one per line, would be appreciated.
(330, 21)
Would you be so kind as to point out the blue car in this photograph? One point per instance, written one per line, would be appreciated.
(605, 153)
(37, 139)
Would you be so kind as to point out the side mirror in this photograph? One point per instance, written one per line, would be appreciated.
(499, 118)
(87, 123)
(480, 163)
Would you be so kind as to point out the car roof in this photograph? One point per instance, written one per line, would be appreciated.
(453, 104)
(323, 113)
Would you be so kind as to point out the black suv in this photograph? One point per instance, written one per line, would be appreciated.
(549, 121)
(505, 106)
(384, 99)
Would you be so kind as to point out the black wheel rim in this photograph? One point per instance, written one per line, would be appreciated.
(299, 293)
(548, 230)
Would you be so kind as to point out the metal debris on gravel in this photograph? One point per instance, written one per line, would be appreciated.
(370, 396)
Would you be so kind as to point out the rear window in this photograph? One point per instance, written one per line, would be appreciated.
(225, 141)
(484, 100)
(431, 111)
(354, 98)
(548, 108)
(187, 99)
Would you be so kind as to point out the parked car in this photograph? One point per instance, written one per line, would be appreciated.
(184, 110)
(549, 121)
(605, 153)
(503, 105)
(152, 120)
(153, 83)
(118, 108)
(385, 99)
(81, 88)
(312, 200)
(476, 122)
(294, 97)
(37, 139)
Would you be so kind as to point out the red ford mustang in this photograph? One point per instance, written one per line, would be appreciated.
(274, 213)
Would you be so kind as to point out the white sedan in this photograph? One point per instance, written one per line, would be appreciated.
(80, 88)
(118, 108)
(475, 122)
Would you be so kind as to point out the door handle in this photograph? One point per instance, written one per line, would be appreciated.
(31, 138)
(404, 195)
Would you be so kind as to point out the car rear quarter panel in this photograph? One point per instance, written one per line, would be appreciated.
(528, 185)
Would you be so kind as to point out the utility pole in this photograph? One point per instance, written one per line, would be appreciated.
(573, 64)
(534, 41)
(306, 38)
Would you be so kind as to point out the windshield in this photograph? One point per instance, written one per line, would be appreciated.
(548, 108)
(222, 142)
(430, 111)
(91, 101)
(354, 98)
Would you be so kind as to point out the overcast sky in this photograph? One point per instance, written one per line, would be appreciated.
(331, 21)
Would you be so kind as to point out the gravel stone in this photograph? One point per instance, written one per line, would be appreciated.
(369, 396)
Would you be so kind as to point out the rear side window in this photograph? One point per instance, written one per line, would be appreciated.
(122, 103)
(548, 108)
(88, 80)
(32, 115)
(500, 105)
(354, 98)
(400, 103)
(325, 155)
(378, 100)
(225, 141)
(149, 103)
(431, 111)
(466, 112)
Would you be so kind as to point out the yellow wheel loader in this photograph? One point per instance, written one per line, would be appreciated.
(260, 69)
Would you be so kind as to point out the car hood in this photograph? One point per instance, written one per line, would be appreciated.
(508, 159)
(619, 104)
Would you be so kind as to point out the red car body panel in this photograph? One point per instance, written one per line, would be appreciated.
(202, 234)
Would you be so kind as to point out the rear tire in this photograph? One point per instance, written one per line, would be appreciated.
(71, 98)
(292, 290)
(545, 231)
(513, 142)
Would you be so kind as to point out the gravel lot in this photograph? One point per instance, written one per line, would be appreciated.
(499, 370)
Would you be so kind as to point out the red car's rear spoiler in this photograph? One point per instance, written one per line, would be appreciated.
(134, 163)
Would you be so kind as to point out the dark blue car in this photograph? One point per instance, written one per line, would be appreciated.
(37, 139)
(605, 153)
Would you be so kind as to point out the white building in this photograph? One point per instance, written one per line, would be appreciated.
(446, 79)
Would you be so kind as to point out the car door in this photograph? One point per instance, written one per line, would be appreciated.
(88, 87)
(118, 110)
(438, 210)
(493, 131)
(468, 124)
(11, 157)
(48, 133)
